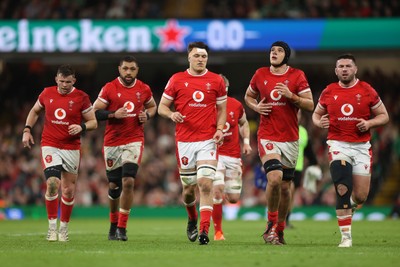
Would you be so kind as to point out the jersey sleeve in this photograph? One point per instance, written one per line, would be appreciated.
(103, 95)
(375, 100)
(322, 99)
(253, 83)
(149, 93)
(221, 95)
(169, 91)
(303, 84)
(41, 98)
(86, 104)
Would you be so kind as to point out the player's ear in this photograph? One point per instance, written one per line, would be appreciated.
(188, 58)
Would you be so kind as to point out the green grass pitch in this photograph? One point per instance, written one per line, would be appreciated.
(163, 242)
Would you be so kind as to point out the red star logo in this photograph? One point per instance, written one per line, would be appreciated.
(172, 35)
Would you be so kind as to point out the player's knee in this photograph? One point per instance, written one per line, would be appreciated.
(206, 171)
(341, 172)
(272, 165)
(114, 193)
(218, 191)
(53, 171)
(129, 169)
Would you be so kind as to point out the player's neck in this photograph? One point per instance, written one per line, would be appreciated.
(350, 84)
(279, 70)
(195, 72)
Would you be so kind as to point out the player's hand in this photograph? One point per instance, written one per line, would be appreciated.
(143, 116)
(263, 108)
(121, 113)
(283, 90)
(177, 117)
(246, 149)
(27, 139)
(74, 129)
(362, 125)
(324, 121)
(218, 137)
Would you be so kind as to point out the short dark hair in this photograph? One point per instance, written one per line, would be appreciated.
(347, 56)
(66, 70)
(128, 59)
(197, 45)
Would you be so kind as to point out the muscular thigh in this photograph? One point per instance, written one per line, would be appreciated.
(69, 159)
(116, 156)
(188, 154)
(288, 151)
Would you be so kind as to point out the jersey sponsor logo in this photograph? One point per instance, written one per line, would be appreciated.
(269, 146)
(60, 114)
(48, 158)
(185, 160)
(275, 95)
(347, 109)
(198, 96)
(226, 127)
(129, 108)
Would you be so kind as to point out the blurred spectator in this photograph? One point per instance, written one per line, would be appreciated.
(145, 9)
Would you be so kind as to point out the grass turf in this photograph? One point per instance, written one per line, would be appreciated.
(163, 242)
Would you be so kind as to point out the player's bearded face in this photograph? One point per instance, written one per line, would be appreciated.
(128, 72)
(345, 70)
(65, 84)
(198, 58)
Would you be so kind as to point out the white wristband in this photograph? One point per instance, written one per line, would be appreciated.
(246, 141)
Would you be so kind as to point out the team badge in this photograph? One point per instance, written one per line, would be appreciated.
(48, 158)
(269, 146)
(185, 160)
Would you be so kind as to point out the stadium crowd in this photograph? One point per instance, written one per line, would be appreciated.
(158, 9)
